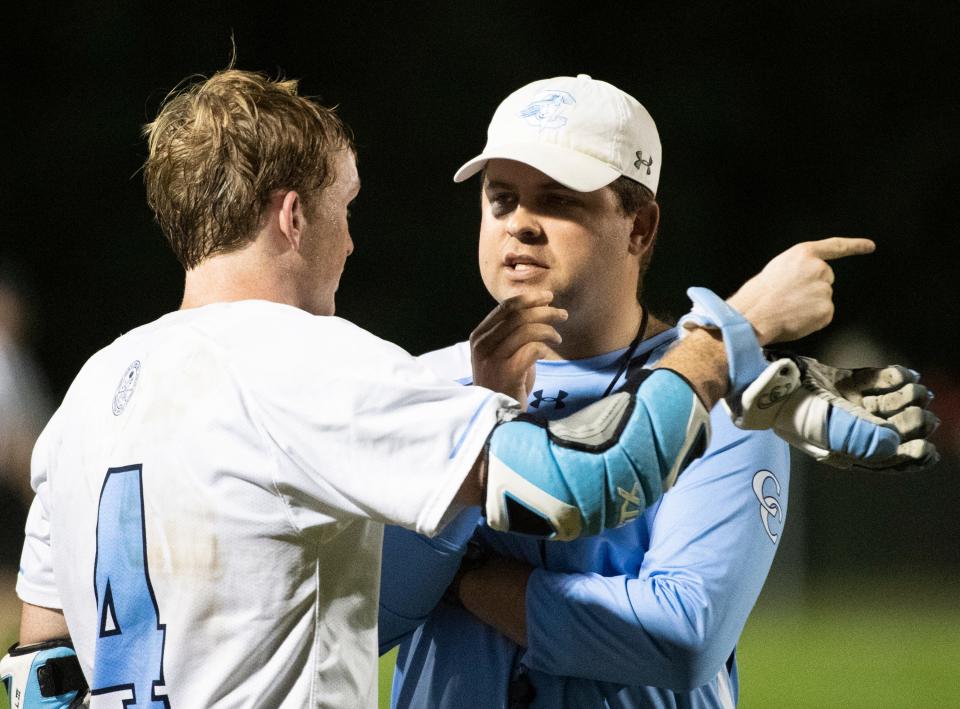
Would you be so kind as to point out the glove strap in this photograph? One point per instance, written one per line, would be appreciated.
(745, 358)
(56, 674)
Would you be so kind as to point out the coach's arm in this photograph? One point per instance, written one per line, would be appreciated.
(673, 621)
(415, 572)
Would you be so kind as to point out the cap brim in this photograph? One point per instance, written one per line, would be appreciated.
(568, 167)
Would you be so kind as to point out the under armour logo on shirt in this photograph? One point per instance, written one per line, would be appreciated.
(539, 398)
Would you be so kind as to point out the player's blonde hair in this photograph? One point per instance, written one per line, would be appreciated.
(220, 147)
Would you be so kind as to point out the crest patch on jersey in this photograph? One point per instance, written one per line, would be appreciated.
(769, 504)
(128, 382)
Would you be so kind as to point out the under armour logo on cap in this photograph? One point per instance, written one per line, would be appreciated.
(640, 163)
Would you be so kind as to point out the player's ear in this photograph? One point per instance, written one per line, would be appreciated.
(645, 223)
(290, 218)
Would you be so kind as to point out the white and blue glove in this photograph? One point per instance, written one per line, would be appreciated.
(870, 418)
(43, 676)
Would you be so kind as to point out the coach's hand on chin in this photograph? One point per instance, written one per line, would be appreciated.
(505, 346)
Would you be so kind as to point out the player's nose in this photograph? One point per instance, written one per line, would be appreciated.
(523, 225)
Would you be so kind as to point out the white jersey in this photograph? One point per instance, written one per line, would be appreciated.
(210, 500)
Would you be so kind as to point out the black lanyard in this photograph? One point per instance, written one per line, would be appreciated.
(625, 362)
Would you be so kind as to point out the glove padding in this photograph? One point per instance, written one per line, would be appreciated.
(869, 418)
(597, 468)
(45, 675)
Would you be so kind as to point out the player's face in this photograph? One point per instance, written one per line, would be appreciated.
(538, 234)
(327, 241)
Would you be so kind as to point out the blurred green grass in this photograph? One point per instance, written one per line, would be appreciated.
(852, 643)
(386, 676)
(849, 643)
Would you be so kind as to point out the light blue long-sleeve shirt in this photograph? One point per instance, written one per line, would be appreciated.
(646, 615)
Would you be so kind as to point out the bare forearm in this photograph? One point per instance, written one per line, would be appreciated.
(470, 493)
(701, 358)
(496, 594)
(38, 624)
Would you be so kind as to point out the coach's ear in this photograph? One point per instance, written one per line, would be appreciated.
(645, 224)
(290, 218)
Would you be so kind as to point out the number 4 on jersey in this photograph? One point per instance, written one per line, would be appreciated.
(128, 669)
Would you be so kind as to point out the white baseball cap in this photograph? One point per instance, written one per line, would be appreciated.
(581, 132)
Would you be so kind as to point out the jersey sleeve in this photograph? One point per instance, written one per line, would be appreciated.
(359, 426)
(415, 573)
(416, 570)
(452, 363)
(35, 580)
(676, 621)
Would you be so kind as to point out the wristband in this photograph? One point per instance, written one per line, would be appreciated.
(745, 360)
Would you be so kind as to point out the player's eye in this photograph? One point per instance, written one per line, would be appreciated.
(501, 202)
(561, 201)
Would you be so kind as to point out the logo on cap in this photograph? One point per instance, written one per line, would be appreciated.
(640, 163)
(546, 111)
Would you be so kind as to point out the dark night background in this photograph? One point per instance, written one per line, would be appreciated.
(780, 122)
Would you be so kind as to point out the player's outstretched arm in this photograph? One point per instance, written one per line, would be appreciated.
(871, 419)
(603, 465)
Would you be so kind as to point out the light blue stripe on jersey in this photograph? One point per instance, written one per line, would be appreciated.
(473, 419)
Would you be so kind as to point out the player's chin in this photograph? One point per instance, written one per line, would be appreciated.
(511, 286)
(503, 291)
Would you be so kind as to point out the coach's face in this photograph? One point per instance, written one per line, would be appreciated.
(537, 234)
(327, 241)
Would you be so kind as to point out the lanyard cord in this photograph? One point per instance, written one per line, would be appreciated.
(628, 355)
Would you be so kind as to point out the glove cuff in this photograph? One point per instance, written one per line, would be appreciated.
(745, 360)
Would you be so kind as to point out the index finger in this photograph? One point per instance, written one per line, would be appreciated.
(512, 312)
(530, 299)
(527, 299)
(841, 246)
